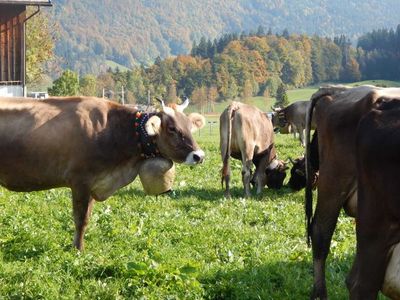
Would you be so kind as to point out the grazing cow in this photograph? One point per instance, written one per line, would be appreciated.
(337, 111)
(297, 179)
(378, 210)
(294, 116)
(90, 145)
(246, 133)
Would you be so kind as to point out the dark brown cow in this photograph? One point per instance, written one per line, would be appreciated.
(297, 179)
(246, 133)
(378, 210)
(90, 145)
(337, 111)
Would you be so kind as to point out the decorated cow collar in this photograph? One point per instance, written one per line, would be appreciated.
(146, 143)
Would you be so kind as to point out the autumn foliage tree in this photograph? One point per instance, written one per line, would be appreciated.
(40, 38)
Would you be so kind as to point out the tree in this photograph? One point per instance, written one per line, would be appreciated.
(40, 36)
(267, 99)
(212, 95)
(88, 85)
(282, 99)
(199, 98)
(260, 31)
(247, 91)
(66, 85)
(171, 93)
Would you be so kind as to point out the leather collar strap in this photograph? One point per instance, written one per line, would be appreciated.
(146, 143)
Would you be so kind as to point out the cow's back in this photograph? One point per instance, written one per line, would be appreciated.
(43, 141)
(250, 125)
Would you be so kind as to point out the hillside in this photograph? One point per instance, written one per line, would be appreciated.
(131, 32)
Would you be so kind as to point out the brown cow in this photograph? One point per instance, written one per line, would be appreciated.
(246, 133)
(90, 145)
(378, 210)
(337, 110)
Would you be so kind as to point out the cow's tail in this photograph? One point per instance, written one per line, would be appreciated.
(226, 152)
(309, 170)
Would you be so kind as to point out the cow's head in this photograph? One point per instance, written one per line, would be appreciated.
(278, 119)
(297, 179)
(276, 173)
(172, 130)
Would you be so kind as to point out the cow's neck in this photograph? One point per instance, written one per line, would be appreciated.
(147, 144)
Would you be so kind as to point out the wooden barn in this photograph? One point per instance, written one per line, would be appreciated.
(13, 17)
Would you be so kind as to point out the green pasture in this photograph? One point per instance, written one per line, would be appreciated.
(190, 244)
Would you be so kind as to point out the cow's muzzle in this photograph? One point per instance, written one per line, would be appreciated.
(195, 157)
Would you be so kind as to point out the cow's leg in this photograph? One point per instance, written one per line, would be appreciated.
(301, 137)
(351, 279)
(246, 176)
(247, 155)
(372, 239)
(82, 204)
(323, 225)
(259, 175)
(294, 129)
(227, 177)
(371, 254)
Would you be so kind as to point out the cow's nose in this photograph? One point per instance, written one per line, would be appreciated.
(195, 157)
(198, 158)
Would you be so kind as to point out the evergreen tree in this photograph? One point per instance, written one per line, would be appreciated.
(260, 31)
(282, 99)
(202, 48)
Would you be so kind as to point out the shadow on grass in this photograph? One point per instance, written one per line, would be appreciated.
(210, 194)
(278, 280)
(20, 249)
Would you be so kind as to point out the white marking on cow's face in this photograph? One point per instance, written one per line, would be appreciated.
(273, 165)
(195, 157)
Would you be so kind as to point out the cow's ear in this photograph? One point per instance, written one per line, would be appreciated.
(198, 121)
(153, 125)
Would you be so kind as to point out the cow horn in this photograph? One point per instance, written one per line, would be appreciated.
(276, 109)
(161, 102)
(166, 109)
(182, 106)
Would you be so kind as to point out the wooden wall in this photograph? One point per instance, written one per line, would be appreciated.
(12, 43)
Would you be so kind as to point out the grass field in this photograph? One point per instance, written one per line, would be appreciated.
(191, 244)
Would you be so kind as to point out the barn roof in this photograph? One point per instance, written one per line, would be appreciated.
(27, 2)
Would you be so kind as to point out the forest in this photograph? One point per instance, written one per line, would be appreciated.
(93, 35)
(246, 65)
